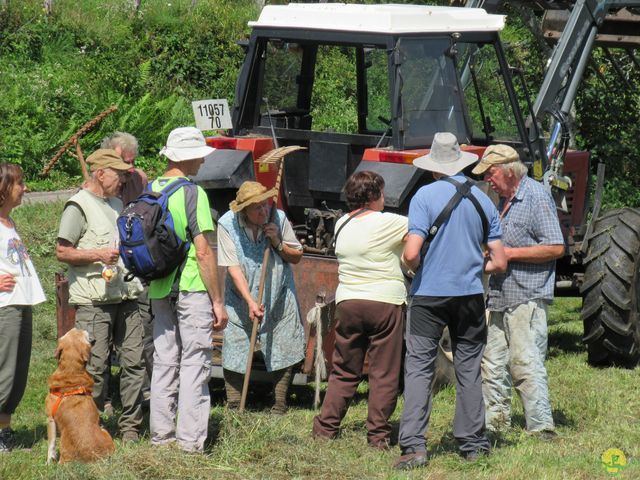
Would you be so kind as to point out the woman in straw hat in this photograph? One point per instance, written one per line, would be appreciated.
(243, 234)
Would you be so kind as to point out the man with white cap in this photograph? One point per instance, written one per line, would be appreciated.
(518, 298)
(183, 326)
(449, 222)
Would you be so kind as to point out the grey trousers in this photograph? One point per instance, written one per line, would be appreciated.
(425, 322)
(182, 336)
(515, 354)
(116, 324)
(15, 354)
(146, 317)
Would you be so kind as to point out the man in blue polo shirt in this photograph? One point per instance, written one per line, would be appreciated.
(518, 299)
(447, 291)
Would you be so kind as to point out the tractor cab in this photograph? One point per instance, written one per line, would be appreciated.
(367, 87)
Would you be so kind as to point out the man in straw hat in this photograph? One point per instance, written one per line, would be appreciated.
(447, 291)
(518, 298)
(183, 328)
(106, 305)
(243, 234)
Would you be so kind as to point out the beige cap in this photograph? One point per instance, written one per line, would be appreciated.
(250, 193)
(107, 158)
(494, 155)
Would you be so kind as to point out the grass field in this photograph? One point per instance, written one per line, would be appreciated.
(595, 410)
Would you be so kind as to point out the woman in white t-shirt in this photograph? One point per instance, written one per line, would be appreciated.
(19, 289)
(370, 302)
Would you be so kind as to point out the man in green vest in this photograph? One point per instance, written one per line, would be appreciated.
(106, 305)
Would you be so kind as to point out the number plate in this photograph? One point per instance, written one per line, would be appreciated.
(212, 114)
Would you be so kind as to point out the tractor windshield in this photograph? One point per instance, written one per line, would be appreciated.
(429, 92)
(323, 87)
(379, 90)
(432, 73)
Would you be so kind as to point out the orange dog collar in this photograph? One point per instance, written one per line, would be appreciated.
(58, 393)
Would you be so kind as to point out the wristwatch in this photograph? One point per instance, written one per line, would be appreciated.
(280, 246)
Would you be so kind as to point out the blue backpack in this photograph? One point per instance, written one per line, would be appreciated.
(149, 245)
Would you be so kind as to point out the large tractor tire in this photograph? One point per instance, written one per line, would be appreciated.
(611, 289)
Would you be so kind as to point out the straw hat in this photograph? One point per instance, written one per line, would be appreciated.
(445, 156)
(494, 155)
(250, 193)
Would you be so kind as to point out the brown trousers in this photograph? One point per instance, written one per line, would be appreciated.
(376, 328)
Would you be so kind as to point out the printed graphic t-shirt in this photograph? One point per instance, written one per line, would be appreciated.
(15, 261)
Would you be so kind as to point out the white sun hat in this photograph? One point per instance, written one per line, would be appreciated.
(445, 156)
(186, 143)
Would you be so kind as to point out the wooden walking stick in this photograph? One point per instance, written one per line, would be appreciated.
(274, 156)
(75, 140)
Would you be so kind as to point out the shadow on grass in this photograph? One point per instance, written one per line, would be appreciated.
(214, 427)
(564, 342)
(560, 419)
(360, 427)
(27, 438)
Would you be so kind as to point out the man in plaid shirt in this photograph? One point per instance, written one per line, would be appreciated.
(518, 299)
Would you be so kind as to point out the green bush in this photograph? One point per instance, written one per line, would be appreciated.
(58, 72)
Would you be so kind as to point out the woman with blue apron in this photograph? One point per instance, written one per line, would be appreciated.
(243, 234)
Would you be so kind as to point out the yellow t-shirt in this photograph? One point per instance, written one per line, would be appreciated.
(368, 250)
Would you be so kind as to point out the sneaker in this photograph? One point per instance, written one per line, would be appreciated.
(546, 435)
(130, 436)
(474, 455)
(410, 461)
(6, 440)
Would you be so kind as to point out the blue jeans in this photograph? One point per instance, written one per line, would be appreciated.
(515, 353)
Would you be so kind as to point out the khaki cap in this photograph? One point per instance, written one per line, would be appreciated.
(107, 158)
(494, 155)
(250, 193)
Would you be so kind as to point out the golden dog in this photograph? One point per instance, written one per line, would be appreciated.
(70, 407)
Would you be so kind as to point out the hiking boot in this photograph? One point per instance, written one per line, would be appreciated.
(410, 461)
(130, 436)
(6, 440)
(474, 455)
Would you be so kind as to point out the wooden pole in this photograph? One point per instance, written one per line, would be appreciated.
(83, 164)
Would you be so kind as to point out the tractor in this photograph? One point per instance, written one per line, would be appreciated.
(397, 74)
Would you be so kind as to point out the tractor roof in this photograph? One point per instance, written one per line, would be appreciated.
(388, 18)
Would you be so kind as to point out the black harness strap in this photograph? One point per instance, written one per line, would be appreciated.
(463, 190)
(351, 217)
